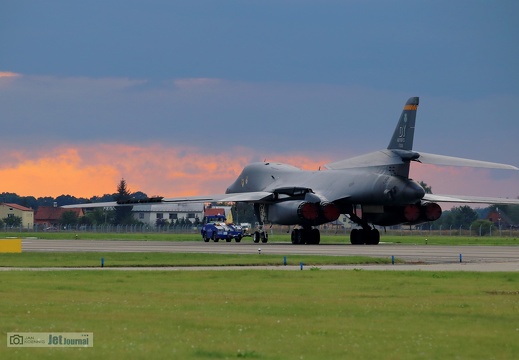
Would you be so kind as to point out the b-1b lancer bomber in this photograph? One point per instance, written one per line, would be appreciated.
(371, 189)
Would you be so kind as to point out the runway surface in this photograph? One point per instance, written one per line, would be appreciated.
(417, 257)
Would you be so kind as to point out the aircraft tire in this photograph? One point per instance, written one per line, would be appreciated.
(373, 237)
(315, 236)
(293, 236)
(264, 237)
(301, 237)
(356, 237)
(256, 237)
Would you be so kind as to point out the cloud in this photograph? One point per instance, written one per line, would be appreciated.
(96, 169)
(8, 74)
(85, 171)
(270, 118)
(59, 171)
(449, 180)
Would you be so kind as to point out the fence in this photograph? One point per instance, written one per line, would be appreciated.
(428, 230)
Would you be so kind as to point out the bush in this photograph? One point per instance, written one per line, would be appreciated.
(481, 227)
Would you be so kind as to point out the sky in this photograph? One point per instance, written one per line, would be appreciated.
(177, 96)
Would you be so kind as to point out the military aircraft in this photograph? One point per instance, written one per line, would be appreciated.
(371, 189)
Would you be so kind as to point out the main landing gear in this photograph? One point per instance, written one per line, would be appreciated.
(306, 235)
(364, 236)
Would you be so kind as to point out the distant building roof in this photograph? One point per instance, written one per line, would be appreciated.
(17, 207)
(51, 213)
(214, 211)
(499, 217)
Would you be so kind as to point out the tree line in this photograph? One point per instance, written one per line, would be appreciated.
(458, 217)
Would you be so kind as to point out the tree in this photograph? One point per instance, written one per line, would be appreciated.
(69, 218)
(13, 221)
(481, 227)
(427, 188)
(463, 216)
(123, 214)
(100, 216)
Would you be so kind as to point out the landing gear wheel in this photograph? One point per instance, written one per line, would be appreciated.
(264, 237)
(256, 237)
(293, 236)
(305, 236)
(356, 237)
(373, 237)
(297, 236)
(315, 237)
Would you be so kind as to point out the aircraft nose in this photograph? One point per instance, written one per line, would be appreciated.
(412, 192)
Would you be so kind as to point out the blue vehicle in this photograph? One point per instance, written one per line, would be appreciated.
(216, 229)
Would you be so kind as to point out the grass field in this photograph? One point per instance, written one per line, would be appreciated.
(266, 314)
(412, 238)
(261, 314)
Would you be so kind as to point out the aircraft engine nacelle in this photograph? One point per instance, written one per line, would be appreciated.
(411, 214)
(302, 213)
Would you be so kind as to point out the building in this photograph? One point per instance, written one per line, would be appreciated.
(150, 213)
(9, 210)
(49, 216)
(500, 219)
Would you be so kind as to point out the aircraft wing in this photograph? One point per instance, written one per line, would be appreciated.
(470, 199)
(257, 196)
(398, 157)
(92, 205)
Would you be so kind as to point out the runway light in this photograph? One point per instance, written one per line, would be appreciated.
(393, 259)
(461, 258)
(259, 251)
(102, 262)
(285, 260)
(301, 265)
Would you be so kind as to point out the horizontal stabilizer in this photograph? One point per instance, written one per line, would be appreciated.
(470, 199)
(397, 157)
(455, 161)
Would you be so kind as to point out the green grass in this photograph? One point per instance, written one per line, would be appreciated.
(407, 238)
(266, 314)
(450, 240)
(93, 259)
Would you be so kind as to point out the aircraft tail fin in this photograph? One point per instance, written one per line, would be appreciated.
(404, 131)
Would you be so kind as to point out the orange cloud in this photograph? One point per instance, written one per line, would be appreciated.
(85, 171)
(56, 174)
(88, 170)
(465, 181)
(8, 74)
